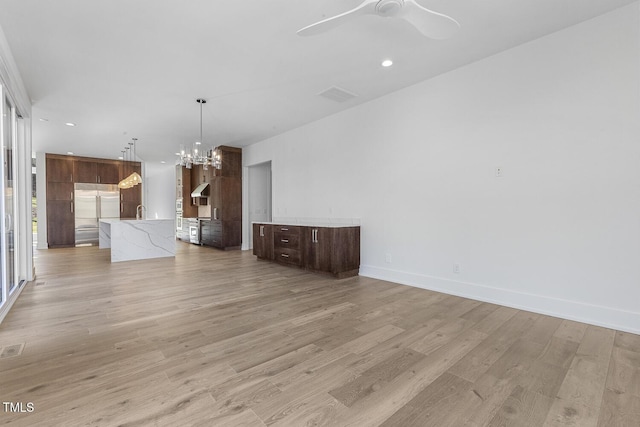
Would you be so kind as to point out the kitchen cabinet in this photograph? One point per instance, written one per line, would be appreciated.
(335, 250)
(263, 241)
(60, 224)
(220, 234)
(60, 191)
(331, 249)
(108, 173)
(85, 171)
(59, 168)
(96, 171)
(287, 248)
(60, 217)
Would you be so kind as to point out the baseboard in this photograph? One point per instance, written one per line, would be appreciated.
(598, 315)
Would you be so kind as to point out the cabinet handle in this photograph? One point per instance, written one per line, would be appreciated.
(121, 207)
(262, 231)
(70, 177)
(72, 195)
(284, 229)
(71, 207)
(284, 240)
(284, 255)
(98, 179)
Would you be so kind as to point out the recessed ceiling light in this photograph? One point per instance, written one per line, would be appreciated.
(177, 154)
(163, 162)
(387, 63)
(70, 124)
(198, 142)
(42, 119)
(120, 158)
(70, 153)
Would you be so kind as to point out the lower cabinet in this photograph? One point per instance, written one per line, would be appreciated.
(334, 250)
(60, 224)
(220, 234)
(287, 247)
(263, 241)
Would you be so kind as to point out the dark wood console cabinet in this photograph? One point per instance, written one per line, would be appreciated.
(334, 249)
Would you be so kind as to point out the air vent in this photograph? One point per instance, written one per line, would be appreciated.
(11, 350)
(337, 94)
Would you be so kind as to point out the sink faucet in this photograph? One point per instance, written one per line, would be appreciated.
(139, 210)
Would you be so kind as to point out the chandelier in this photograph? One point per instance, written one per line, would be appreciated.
(134, 178)
(197, 155)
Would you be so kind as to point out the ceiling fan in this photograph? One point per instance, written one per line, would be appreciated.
(431, 24)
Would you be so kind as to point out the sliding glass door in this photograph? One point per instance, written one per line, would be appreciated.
(8, 203)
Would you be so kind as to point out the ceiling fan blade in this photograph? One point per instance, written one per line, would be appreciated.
(431, 24)
(365, 8)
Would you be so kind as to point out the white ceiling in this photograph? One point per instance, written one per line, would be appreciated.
(134, 68)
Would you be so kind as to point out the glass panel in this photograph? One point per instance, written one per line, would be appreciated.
(8, 171)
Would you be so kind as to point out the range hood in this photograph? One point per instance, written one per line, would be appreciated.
(201, 190)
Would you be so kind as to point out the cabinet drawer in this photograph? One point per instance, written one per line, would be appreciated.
(287, 255)
(287, 229)
(283, 240)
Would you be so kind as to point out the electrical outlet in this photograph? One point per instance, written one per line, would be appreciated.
(387, 258)
(499, 172)
(456, 268)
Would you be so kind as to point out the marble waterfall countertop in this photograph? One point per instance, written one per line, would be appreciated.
(138, 239)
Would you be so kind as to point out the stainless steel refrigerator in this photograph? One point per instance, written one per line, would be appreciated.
(92, 203)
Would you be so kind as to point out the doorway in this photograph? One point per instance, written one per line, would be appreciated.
(259, 195)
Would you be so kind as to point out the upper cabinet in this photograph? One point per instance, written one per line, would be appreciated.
(59, 169)
(108, 173)
(96, 171)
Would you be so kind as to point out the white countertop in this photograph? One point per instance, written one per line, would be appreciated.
(309, 224)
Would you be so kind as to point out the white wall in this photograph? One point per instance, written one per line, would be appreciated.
(159, 187)
(559, 233)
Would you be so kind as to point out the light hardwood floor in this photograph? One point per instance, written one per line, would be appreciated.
(215, 338)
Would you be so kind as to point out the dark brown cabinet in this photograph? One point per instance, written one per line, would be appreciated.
(108, 173)
(263, 241)
(96, 171)
(85, 171)
(287, 246)
(60, 224)
(334, 250)
(59, 169)
(60, 191)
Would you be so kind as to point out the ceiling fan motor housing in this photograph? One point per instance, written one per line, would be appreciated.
(389, 8)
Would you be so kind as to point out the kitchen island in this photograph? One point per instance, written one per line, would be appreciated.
(138, 239)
